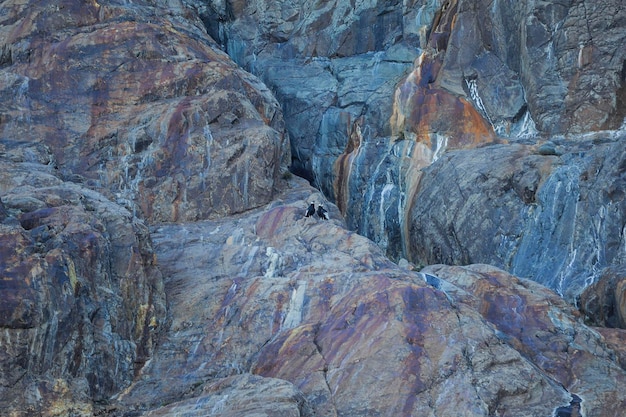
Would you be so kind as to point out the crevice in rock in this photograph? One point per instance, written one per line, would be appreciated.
(324, 370)
(571, 410)
(6, 56)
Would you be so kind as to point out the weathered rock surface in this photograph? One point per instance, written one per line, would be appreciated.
(138, 101)
(604, 302)
(113, 114)
(543, 328)
(240, 395)
(556, 218)
(517, 70)
(110, 111)
(304, 300)
(81, 295)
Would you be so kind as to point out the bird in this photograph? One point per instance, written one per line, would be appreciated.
(322, 213)
(310, 211)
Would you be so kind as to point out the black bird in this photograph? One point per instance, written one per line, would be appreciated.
(310, 211)
(322, 213)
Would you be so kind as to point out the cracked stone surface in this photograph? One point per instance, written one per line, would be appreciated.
(309, 303)
(118, 117)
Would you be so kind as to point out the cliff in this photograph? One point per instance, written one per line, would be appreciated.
(155, 258)
(376, 92)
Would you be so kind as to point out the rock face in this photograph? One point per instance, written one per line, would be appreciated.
(141, 105)
(81, 294)
(111, 114)
(364, 121)
(139, 161)
(303, 300)
(557, 218)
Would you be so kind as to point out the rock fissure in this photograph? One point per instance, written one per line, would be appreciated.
(325, 367)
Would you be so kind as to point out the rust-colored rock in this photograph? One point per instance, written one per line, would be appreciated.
(304, 300)
(142, 105)
(429, 113)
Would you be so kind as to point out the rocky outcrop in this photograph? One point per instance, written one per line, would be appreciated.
(520, 64)
(306, 301)
(138, 160)
(364, 120)
(141, 105)
(553, 213)
(82, 297)
(111, 115)
(542, 327)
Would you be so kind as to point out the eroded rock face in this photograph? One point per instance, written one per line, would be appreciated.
(543, 328)
(138, 101)
(113, 110)
(551, 213)
(82, 298)
(304, 300)
(519, 64)
(367, 113)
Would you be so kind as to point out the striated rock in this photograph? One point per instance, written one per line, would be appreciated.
(512, 63)
(241, 395)
(557, 219)
(306, 301)
(365, 121)
(141, 105)
(115, 113)
(329, 65)
(82, 298)
(544, 329)
(424, 110)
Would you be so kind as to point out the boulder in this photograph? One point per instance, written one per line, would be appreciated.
(142, 105)
(304, 300)
(604, 301)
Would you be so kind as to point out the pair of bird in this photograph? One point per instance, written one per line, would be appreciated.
(321, 211)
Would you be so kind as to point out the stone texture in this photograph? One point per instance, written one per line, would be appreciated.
(306, 301)
(543, 328)
(557, 219)
(82, 298)
(115, 115)
(142, 105)
(366, 117)
(604, 302)
(240, 395)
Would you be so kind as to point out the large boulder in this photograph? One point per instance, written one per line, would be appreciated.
(138, 101)
(112, 115)
(306, 301)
